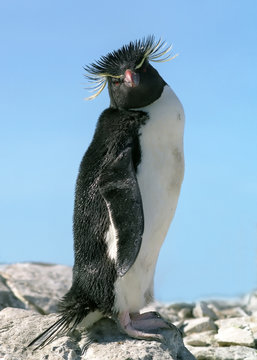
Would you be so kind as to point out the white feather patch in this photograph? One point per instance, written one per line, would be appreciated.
(111, 238)
(90, 319)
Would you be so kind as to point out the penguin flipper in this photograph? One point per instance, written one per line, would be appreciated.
(119, 188)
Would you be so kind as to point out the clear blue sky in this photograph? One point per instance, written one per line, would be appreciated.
(46, 126)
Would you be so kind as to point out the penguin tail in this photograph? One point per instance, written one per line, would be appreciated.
(70, 316)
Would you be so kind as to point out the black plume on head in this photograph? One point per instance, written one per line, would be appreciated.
(130, 56)
(132, 53)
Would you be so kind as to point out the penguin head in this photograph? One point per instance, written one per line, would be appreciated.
(132, 81)
(135, 88)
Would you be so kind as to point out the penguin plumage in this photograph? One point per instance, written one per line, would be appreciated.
(126, 194)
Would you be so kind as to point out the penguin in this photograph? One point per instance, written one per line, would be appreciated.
(126, 195)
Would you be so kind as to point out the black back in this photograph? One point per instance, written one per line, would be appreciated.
(94, 272)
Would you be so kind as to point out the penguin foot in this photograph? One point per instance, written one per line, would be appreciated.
(149, 321)
(142, 326)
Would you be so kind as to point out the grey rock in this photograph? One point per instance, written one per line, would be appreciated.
(165, 311)
(237, 331)
(7, 298)
(224, 353)
(201, 310)
(235, 322)
(229, 311)
(198, 325)
(185, 313)
(18, 327)
(179, 306)
(253, 327)
(235, 336)
(205, 338)
(132, 349)
(216, 311)
(233, 312)
(127, 350)
(251, 303)
(37, 286)
(176, 311)
(222, 304)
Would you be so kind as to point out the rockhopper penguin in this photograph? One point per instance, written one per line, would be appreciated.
(126, 195)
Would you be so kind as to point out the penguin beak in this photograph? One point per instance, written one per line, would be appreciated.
(131, 78)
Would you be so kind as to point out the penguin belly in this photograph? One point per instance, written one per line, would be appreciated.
(159, 175)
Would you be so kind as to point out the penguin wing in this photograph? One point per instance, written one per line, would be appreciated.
(119, 188)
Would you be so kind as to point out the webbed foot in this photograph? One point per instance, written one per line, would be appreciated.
(143, 326)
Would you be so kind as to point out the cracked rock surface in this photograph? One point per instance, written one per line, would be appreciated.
(36, 286)
(212, 330)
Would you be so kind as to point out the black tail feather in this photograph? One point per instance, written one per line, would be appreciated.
(46, 337)
(68, 321)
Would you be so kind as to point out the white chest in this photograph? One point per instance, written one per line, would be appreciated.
(159, 176)
(161, 171)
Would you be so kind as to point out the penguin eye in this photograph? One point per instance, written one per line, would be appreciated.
(116, 81)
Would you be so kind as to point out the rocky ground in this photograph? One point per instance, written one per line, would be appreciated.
(213, 330)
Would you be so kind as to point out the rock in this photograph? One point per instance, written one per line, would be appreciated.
(127, 350)
(37, 286)
(185, 313)
(233, 309)
(251, 303)
(234, 322)
(201, 310)
(198, 325)
(222, 304)
(30, 290)
(165, 311)
(7, 298)
(19, 327)
(134, 349)
(216, 311)
(224, 353)
(233, 312)
(179, 306)
(235, 336)
(236, 331)
(205, 338)
(253, 327)
(178, 311)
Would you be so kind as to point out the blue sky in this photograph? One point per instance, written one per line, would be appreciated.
(46, 126)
